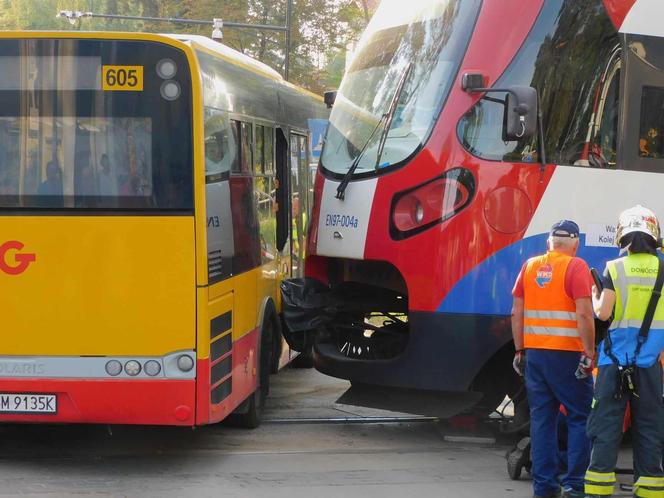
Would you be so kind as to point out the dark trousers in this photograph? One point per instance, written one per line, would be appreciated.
(550, 382)
(605, 430)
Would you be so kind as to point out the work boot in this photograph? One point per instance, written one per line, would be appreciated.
(570, 492)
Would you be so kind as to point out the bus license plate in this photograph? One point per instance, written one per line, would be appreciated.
(28, 403)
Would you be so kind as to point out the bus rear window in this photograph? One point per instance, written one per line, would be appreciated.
(74, 136)
(77, 162)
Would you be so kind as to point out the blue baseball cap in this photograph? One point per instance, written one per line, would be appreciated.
(565, 228)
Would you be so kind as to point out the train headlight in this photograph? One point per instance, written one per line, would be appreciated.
(435, 201)
(185, 363)
(170, 90)
(133, 368)
(418, 214)
(166, 69)
(152, 368)
(113, 368)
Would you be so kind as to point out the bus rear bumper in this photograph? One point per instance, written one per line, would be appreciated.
(144, 402)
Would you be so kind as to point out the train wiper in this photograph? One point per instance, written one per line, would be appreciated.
(387, 119)
(390, 113)
(341, 189)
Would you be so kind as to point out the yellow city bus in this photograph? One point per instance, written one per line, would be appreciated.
(149, 190)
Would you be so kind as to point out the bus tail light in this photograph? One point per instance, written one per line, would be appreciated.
(421, 207)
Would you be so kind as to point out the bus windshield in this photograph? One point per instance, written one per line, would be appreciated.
(90, 124)
(410, 55)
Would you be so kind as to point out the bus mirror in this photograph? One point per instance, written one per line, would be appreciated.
(520, 119)
(329, 97)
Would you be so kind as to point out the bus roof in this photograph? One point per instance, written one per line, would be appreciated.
(227, 52)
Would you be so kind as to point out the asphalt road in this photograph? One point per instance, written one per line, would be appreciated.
(283, 458)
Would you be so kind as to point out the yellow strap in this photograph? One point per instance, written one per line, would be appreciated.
(591, 475)
(647, 493)
(598, 489)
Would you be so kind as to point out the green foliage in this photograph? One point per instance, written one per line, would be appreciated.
(321, 29)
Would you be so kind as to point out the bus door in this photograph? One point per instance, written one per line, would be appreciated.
(299, 181)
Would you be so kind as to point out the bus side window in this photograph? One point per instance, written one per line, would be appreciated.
(221, 145)
(268, 150)
(246, 156)
(259, 165)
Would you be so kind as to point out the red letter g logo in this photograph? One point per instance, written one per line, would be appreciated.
(21, 260)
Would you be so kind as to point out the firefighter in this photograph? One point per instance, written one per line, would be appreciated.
(629, 370)
(554, 334)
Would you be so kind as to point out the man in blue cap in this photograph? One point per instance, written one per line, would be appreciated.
(554, 337)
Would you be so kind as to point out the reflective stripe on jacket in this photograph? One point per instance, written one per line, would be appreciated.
(549, 317)
(633, 280)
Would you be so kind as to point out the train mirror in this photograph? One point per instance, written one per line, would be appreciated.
(471, 82)
(520, 119)
(329, 97)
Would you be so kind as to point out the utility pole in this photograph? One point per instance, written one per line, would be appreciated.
(75, 16)
(289, 13)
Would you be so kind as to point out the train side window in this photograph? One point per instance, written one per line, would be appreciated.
(604, 143)
(642, 118)
(651, 143)
(566, 57)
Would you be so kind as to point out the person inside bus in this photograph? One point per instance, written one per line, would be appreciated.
(50, 190)
(554, 337)
(107, 183)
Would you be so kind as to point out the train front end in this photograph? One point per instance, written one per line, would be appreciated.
(424, 210)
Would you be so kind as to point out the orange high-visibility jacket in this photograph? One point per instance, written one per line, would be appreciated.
(549, 314)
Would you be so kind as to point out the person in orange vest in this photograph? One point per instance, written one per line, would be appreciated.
(554, 337)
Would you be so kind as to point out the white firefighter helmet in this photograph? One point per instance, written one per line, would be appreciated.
(637, 219)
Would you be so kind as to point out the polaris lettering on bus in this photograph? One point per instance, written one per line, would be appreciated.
(21, 368)
(341, 220)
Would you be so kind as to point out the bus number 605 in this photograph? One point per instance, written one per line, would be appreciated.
(121, 77)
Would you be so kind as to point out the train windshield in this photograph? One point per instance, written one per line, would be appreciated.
(399, 77)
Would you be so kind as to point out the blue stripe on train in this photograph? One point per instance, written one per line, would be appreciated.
(487, 288)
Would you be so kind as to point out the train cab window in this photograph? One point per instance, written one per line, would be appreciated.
(651, 143)
(569, 56)
(221, 145)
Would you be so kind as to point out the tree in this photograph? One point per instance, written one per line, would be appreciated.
(320, 34)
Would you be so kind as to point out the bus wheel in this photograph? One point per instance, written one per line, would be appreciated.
(248, 415)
